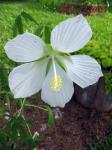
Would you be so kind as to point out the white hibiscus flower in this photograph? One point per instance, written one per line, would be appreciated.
(57, 84)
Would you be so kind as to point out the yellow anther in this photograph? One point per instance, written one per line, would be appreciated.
(56, 83)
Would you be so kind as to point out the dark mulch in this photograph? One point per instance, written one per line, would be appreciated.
(84, 9)
(78, 127)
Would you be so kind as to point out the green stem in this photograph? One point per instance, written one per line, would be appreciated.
(30, 105)
(27, 126)
(22, 106)
(20, 112)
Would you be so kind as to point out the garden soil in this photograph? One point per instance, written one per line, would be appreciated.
(75, 129)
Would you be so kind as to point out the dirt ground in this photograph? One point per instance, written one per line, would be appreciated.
(75, 130)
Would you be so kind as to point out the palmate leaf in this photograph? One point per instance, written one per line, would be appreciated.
(18, 25)
(27, 17)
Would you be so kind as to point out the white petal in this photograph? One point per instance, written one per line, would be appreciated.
(71, 34)
(25, 48)
(27, 79)
(63, 93)
(83, 70)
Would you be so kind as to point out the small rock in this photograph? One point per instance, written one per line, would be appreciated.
(43, 127)
(7, 115)
(103, 102)
(86, 96)
(35, 134)
(94, 96)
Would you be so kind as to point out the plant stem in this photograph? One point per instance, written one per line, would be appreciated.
(27, 126)
(22, 106)
(30, 105)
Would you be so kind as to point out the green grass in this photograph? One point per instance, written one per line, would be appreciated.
(99, 47)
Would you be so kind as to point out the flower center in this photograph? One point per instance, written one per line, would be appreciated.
(56, 83)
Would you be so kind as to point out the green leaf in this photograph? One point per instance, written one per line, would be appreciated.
(23, 133)
(29, 122)
(28, 17)
(14, 134)
(19, 24)
(47, 34)
(32, 142)
(2, 111)
(107, 62)
(51, 118)
(39, 31)
(3, 140)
